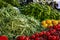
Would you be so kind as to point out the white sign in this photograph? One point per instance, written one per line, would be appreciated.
(58, 2)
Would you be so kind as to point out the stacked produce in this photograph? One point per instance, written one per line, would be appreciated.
(15, 23)
(52, 34)
(40, 11)
(47, 23)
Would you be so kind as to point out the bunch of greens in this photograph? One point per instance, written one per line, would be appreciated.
(12, 23)
(12, 2)
(3, 4)
(40, 11)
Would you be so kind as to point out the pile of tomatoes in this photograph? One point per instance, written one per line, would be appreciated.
(53, 33)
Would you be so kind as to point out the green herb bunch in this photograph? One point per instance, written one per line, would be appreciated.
(13, 23)
(40, 11)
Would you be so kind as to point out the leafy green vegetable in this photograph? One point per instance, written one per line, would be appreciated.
(13, 23)
(12, 2)
(40, 11)
(3, 4)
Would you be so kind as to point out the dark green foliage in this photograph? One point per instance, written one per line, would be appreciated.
(13, 23)
(12, 2)
(40, 11)
(3, 4)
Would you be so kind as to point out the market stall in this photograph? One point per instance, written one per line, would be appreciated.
(31, 21)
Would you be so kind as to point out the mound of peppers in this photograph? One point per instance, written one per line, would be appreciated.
(47, 23)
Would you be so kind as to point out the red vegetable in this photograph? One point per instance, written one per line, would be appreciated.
(36, 34)
(44, 32)
(52, 34)
(37, 38)
(53, 37)
(58, 25)
(20, 38)
(41, 33)
(47, 33)
(27, 38)
(3, 37)
(33, 36)
(52, 31)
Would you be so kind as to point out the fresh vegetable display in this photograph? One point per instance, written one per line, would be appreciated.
(40, 11)
(52, 33)
(13, 23)
(47, 23)
(32, 21)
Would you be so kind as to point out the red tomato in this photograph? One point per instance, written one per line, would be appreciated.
(3, 37)
(33, 36)
(41, 33)
(20, 37)
(27, 38)
(36, 34)
(47, 33)
(54, 37)
(37, 38)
